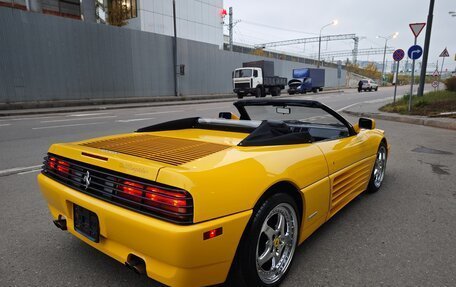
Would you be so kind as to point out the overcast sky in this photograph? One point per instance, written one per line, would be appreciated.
(271, 20)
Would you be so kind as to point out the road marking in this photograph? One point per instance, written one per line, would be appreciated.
(65, 126)
(87, 115)
(156, 113)
(17, 170)
(365, 102)
(207, 109)
(30, 171)
(4, 125)
(78, 119)
(134, 120)
(25, 119)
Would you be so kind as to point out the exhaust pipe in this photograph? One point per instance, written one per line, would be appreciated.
(61, 223)
(136, 264)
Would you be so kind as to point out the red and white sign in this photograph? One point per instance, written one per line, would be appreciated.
(445, 53)
(435, 84)
(436, 73)
(417, 28)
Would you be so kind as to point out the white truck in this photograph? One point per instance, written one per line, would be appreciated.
(257, 79)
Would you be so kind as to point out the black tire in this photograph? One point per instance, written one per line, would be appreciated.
(374, 185)
(240, 95)
(257, 93)
(244, 271)
(370, 89)
(376, 89)
(275, 91)
(291, 93)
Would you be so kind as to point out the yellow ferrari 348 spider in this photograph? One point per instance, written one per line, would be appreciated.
(199, 201)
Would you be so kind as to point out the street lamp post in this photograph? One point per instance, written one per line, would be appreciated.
(334, 22)
(386, 38)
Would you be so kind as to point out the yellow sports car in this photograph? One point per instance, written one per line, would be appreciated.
(199, 201)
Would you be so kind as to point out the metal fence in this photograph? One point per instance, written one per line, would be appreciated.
(45, 58)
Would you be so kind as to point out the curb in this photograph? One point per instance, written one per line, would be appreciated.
(95, 106)
(410, 120)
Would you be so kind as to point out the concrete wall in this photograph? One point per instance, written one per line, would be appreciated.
(53, 58)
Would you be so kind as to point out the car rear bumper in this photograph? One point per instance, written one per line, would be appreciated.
(175, 255)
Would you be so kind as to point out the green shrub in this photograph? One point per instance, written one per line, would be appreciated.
(451, 84)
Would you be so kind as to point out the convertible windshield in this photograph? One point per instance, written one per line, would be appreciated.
(291, 114)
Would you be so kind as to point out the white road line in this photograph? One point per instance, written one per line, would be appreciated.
(87, 115)
(207, 109)
(4, 125)
(65, 126)
(16, 170)
(30, 171)
(365, 102)
(134, 120)
(77, 119)
(25, 119)
(156, 113)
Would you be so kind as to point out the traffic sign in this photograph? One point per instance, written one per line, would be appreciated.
(398, 55)
(444, 53)
(435, 84)
(417, 28)
(415, 52)
(436, 73)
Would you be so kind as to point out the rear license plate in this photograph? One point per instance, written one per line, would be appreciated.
(86, 223)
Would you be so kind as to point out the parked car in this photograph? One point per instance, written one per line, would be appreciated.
(197, 201)
(368, 85)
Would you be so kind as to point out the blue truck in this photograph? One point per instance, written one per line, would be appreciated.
(306, 80)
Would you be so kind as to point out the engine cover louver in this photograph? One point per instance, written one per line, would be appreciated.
(172, 151)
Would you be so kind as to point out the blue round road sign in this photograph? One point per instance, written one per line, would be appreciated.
(415, 52)
(398, 55)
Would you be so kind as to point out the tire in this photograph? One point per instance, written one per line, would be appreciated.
(278, 91)
(378, 172)
(370, 89)
(240, 95)
(376, 89)
(262, 234)
(257, 93)
(291, 93)
(275, 91)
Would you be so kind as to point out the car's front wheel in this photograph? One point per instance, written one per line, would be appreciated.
(267, 248)
(378, 173)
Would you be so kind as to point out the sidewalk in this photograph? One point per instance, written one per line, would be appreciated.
(18, 109)
(370, 110)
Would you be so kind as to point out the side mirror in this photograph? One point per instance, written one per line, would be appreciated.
(365, 123)
(228, 116)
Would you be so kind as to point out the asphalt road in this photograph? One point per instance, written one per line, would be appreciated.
(400, 236)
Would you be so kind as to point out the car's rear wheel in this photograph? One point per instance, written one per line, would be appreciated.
(267, 248)
(378, 173)
(376, 89)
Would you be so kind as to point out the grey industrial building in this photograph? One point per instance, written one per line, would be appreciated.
(65, 54)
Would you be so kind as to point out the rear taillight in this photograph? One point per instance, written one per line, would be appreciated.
(167, 200)
(132, 191)
(59, 166)
(63, 167)
(170, 203)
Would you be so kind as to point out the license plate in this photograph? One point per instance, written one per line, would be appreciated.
(86, 223)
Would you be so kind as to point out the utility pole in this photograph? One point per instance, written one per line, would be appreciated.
(230, 27)
(176, 91)
(427, 41)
